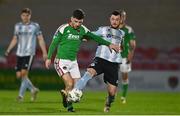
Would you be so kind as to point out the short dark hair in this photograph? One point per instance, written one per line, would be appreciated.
(78, 14)
(115, 12)
(26, 10)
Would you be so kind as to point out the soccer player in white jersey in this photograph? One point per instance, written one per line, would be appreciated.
(106, 61)
(26, 33)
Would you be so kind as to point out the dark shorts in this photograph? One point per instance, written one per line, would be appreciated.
(23, 62)
(109, 69)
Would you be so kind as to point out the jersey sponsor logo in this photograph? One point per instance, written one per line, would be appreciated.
(73, 37)
(25, 33)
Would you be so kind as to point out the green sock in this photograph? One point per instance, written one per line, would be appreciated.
(124, 90)
(69, 105)
(109, 100)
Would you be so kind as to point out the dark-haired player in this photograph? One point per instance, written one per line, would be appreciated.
(106, 61)
(68, 38)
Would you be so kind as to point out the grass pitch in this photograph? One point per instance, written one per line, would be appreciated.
(49, 102)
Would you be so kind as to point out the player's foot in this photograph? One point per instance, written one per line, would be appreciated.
(34, 93)
(107, 105)
(106, 108)
(71, 109)
(64, 97)
(19, 99)
(123, 100)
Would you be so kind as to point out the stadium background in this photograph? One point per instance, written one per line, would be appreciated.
(154, 81)
(156, 63)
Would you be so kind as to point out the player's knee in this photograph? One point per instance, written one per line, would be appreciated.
(18, 74)
(24, 73)
(112, 92)
(91, 71)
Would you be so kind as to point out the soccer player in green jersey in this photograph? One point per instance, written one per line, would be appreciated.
(129, 45)
(68, 38)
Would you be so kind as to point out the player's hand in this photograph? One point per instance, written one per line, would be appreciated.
(115, 47)
(48, 63)
(6, 53)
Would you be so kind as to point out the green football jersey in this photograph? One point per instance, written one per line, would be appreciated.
(69, 39)
(129, 35)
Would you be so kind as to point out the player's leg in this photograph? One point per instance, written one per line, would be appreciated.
(63, 95)
(94, 69)
(22, 89)
(18, 74)
(81, 83)
(69, 82)
(62, 68)
(125, 83)
(111, 79)
(125, 68)
(111, 96)
(23, 86)
(60, 72)
(34, 91)
(26, 83)
(27, 62)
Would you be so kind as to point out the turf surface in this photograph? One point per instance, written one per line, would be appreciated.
(49, 102)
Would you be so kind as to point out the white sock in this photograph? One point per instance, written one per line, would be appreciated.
(80, 84)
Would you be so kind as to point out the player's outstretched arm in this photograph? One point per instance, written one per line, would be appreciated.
(100, 40)
(11, 45)
(115, 47)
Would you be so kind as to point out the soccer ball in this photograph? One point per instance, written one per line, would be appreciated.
(74, 95)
